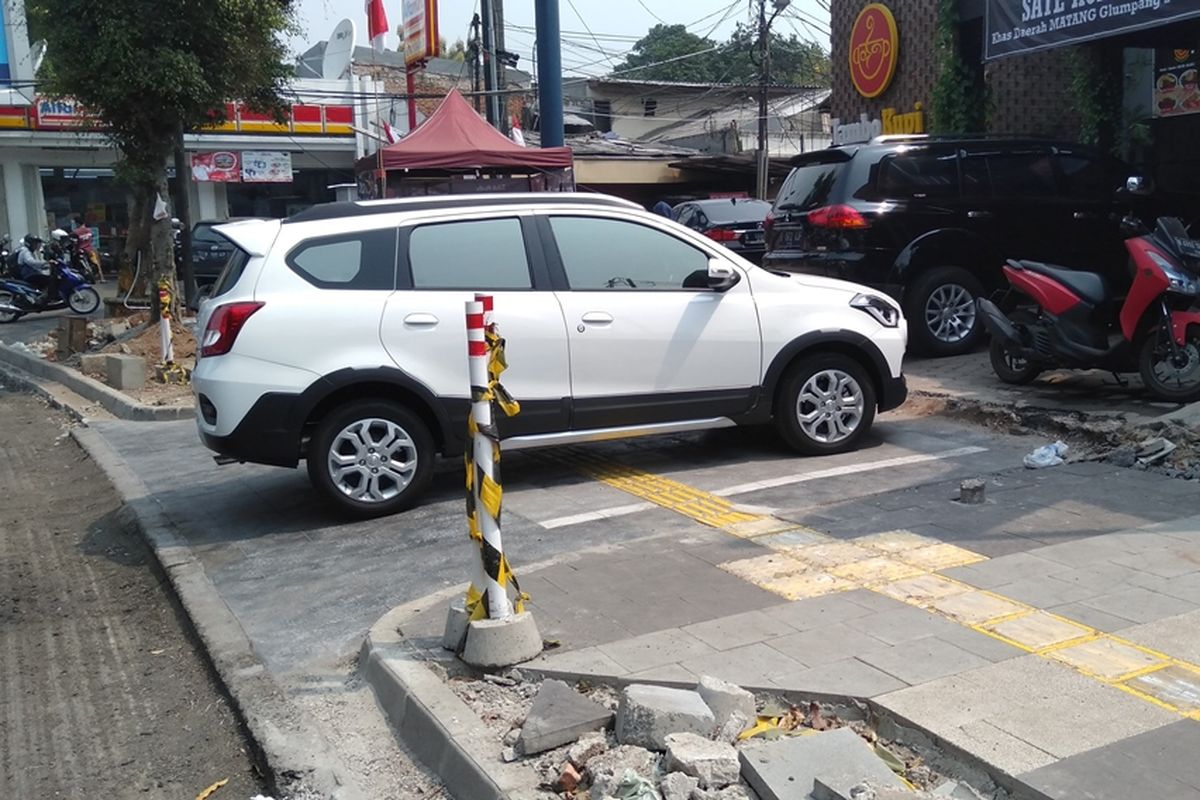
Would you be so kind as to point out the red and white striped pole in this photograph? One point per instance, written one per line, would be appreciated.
(484, 444)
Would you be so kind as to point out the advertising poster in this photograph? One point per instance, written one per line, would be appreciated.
(1176, 88)
(420, 30)
(221, 167)
(266, 167)
(5, 69)
(1022, 26)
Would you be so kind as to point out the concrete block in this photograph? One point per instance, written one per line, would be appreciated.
(735, 792)
(866, 791)
(648, 714)
(72, 335)
(586, 748)
(677, 786)
(125, 371)
(559, 716)
(724, 699)
(714, 763)
(971, 491)
(502, 642)
(93, 362)
(607, 770)
(787, 769)
(455, 632)
(733, 726)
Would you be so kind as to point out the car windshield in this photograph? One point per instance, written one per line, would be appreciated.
(206, 234)
(731, 213)
(808, 186)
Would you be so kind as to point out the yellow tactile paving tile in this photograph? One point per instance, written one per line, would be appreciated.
(1106, 658)
(923, 589)
(937, 557)
(785, 576)
(976, 607)
(1038, 630)
(876, 570)
(1175, 685)
(895, 541)
(761, 527)
(831, 554)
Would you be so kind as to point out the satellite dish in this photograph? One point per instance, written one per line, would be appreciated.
(37, 53)
(338, 51)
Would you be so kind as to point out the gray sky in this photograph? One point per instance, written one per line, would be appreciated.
(616, 24)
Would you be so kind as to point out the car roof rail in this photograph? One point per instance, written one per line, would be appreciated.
(900, 137)
(961, 137)
(361, 208)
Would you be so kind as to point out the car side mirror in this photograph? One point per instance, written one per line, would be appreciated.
(1138, 186)
(721, 276)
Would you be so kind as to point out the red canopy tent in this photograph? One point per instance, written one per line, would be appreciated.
(454, 139)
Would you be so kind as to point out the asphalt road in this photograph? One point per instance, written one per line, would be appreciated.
(35, 326)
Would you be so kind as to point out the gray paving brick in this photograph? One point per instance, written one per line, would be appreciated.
(1046, 591)
(1139, 605)
(666, 673)
(1092, 617)
(1127, 769)
(1184, 530)
(998, 748)
(1185, 587)
(901, 625)
(823, 645)
(1080, 553)
(751, 665)
(655, 649)
(736, 630)
(1175, 636)
(849, 677)
(923, 660)
(980, 644)
(1170, 562)
(1003, 570)
(1098, 577)
(872, 601)
(588, 661)
(1170, 749)
(817, 612)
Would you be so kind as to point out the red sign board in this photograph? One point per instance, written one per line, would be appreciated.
(874, 50)
(420, 30)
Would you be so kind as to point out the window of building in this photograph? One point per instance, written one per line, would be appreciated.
(650, 107)
(471, 255)
(602, 115)
(600, 254)
(364, 260)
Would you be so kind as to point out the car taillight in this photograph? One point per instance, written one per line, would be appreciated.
(224, 326)
(769, 221)
(836, 217)
(721, 234)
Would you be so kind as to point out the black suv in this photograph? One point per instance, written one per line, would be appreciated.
(931, 220)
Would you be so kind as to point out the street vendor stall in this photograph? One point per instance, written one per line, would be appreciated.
(456, 152)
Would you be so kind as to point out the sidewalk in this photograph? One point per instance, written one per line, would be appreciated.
(1050, 633)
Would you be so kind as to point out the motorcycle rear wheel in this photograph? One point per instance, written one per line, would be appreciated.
(1168, 378)
(84, 300)
(1010, 367)
(7, 299)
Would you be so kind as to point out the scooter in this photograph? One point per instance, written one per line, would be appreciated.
(1079, 322)
(18, 298)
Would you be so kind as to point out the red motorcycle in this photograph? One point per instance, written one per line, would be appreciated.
(1079, 322)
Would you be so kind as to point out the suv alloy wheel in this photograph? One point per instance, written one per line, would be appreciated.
(940, 306)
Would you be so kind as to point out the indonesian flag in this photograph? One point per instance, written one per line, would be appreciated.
(389, 132)
(377, 24)
(517, 135)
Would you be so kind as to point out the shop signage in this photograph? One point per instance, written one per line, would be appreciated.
(61, 113)
(1022, 26)
(223, 166)
(1176, 84)
(874, 50)
(420, 30)
(5, 69)
(266, 167)
(888, 123)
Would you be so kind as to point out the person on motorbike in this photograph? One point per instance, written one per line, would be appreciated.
(33, 269)
(83, 235)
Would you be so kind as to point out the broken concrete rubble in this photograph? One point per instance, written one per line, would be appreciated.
(714, 763)
(728, 793)
(725, 699)
(588, 747)
(559, 715)
(732, 727)
(677, 786)
(608, 769)
(648, 714)
(788, 769)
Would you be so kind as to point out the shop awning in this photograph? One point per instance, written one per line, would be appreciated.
(1023, 26)
(456, 137)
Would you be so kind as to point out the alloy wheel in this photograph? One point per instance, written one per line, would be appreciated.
(7, 299)
(830, 406)
(372, 460)
(950, 313)
(1180, 371)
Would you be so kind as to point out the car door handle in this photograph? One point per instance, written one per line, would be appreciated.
(597, 317)
(1087, 215)
(980, 214)
(421, 320)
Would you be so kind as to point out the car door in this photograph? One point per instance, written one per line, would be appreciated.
(921, 186)
(1090, 184)
(649, 341)
(442, 264)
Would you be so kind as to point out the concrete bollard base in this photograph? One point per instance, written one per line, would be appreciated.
(502, 642)
(971, 491)
(455, 632)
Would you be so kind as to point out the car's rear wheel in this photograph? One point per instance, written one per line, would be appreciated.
(942, 316)
(826, 403)
(371, 457)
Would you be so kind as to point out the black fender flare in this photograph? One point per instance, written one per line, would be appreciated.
(852, 343)
(949, 247)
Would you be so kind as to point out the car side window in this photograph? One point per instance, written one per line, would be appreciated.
(976, 180)
(363, 260)
(919, 175)
(686, 216)
(1022, 174)
(1087, 178)
(600, 254)
(471, 255)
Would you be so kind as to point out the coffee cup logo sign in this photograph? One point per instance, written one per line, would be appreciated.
(874, 50)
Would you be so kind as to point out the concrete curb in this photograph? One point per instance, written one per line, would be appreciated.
(433, 722)
(286, 741)
(114, 401)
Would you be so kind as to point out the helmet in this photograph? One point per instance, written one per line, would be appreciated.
(58, 234)
(32, 240)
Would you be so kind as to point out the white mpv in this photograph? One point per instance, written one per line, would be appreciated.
(338, 336)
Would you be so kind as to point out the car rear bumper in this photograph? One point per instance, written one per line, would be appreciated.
(265, 435)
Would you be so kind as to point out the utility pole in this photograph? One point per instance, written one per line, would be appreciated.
(499, 56)
(764, 84)
(475, 49)
(549, 73)
(490, 76)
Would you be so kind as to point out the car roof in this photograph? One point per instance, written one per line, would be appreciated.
(725, 201)
(886, 144)
(359, 208)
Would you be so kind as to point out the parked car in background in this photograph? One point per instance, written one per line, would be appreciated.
(736, 223)
(210, 251)
(336, 336)
(931, 221)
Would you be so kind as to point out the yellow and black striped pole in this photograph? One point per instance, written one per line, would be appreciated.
(488, 596)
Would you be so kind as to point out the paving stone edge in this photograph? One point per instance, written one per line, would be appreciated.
(287, 743)
(117, 403)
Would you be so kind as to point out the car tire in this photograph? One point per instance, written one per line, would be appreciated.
(364, 437)
(942, 317)
(811, 422)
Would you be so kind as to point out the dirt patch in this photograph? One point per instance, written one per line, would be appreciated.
(105, 692)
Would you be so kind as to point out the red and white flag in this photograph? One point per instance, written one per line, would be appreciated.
(517, 135)
(389, 132)
(377, 24)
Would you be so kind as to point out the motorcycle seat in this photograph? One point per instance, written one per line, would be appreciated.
(1090, 286)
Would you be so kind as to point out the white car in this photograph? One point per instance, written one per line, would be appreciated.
(338, 336)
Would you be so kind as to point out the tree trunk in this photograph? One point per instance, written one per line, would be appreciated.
(136, 240)
(162, 244)
(183, 208)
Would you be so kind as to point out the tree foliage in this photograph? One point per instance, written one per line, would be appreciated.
(794, 61)
(151, 70)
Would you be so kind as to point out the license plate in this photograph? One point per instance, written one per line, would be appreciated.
(791, 239)
(753, 237)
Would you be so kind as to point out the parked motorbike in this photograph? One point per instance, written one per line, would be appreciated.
(1077, 320)
(7, 256)
(71, 290)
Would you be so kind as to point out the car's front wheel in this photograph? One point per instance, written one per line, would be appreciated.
(371, 457)
(826, 404)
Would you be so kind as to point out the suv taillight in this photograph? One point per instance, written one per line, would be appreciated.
(224, 326)
(769, 221)
(839, 216)
(721, 234)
